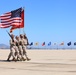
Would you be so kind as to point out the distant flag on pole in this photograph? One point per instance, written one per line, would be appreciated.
(69, 43)
(31, 43)
(62, 43)
(74, 43)
(49, 43)
(54, 43)
(43, 44)
(36, 44)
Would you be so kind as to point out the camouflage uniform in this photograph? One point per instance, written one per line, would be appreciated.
(25, 43)
(12, 50)
(19, 46)
(19, 49)
(17, 52)
(24, 47)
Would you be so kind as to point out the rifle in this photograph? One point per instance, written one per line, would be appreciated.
(10, 35)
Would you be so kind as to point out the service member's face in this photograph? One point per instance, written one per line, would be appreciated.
(17, 38)
(21, 36)
(12, 36)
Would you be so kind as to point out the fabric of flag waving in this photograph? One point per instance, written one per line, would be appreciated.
(55, 43)
(12, 18)
(69, 43)
(20, 25)
(43, 44)
(36, 43)
(62, 43)
(31, 43)
(75, 43)
(49, 43)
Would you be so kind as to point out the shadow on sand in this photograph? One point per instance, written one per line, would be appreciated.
(6, 61)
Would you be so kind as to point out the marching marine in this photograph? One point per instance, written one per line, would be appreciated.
(23, 41)
(19, 46)
(12, 48)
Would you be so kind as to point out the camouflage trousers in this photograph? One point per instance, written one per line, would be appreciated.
(13, 52)
(24, 51)
(17, 55)
(20, 51)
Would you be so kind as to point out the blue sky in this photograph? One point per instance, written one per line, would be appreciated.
(45, 20)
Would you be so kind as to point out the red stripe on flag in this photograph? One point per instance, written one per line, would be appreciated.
(19, 26)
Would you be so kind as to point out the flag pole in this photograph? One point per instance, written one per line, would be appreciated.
(19, 28)
(24, 21)
(64, 46)
(38, 45)
(57, 46)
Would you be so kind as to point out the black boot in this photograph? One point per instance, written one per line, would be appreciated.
(28, 59)
(8, 60)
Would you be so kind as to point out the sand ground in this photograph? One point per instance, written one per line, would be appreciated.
(43, 62)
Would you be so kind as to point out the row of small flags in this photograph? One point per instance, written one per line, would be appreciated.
(43, 44)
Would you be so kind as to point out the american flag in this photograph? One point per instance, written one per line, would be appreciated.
(19, 26)
(12, 18)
